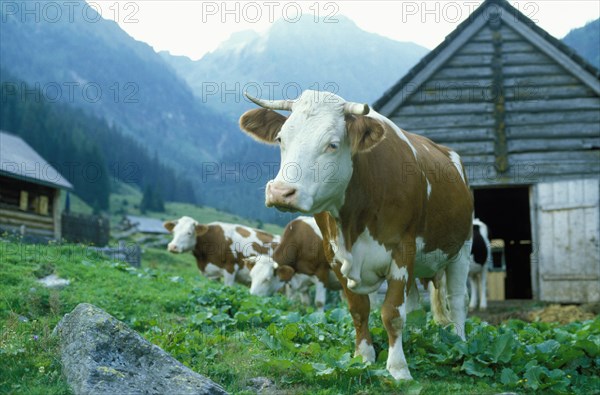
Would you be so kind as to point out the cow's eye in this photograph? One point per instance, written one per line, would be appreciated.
(278, 140)
(333, 146)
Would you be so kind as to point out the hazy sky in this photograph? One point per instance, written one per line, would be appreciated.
(193, 28)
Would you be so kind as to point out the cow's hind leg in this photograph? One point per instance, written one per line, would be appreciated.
(473, 293)
(456, 283)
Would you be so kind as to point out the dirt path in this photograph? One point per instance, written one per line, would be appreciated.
(529, 310)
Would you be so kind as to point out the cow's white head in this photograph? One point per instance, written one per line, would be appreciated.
(184, 230)
(267, 276)
(317, 142)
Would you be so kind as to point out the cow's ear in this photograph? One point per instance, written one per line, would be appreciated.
(364, 132)
(250, 262)
(200, 229)
(169, 225)
(262, 124)
(285, 272)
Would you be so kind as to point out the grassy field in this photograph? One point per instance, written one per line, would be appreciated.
(232, 337)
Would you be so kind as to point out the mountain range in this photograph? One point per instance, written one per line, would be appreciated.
(292, 57)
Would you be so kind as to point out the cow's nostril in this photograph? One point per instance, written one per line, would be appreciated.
(289, 193)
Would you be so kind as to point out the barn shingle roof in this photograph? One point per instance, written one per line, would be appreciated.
(19, 160)
(479, 13)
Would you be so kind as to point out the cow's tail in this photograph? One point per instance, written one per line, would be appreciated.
(439, 302)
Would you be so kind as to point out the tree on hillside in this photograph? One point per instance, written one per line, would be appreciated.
(152, 200)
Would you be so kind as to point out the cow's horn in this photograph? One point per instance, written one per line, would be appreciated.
(285, 105)
(356, 108)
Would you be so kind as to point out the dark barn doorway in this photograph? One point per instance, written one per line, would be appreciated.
(506, 211)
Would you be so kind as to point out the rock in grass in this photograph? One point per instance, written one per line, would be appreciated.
(53, 281)
(101, 355)
(260, 385)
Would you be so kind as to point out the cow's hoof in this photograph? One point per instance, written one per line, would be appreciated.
(366, 351)
(400, 374)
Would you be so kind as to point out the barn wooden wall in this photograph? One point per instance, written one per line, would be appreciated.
(499, 98)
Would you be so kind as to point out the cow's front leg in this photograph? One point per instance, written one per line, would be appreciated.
(393, 315)
(320, 295)
(457, 272)
(359, 310)
(228, 276)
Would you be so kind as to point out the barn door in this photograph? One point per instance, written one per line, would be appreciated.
(568, 253)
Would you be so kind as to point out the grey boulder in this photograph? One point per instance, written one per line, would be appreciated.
(102, 355)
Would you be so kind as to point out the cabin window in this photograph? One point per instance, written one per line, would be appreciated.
(24, 201)
(19, 195)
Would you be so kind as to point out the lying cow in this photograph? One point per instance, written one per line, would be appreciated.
(481, 256)
(219, 248)
(298, 261)
(391, 205)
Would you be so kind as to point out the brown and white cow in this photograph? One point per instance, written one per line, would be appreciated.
(219, 248)
(298, 261)
(391, 205)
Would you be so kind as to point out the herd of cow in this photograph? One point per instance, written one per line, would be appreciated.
(387, 206)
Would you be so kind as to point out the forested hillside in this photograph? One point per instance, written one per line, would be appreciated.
(84, 148)
(89, 62)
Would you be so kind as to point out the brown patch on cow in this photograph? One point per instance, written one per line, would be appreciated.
(200, 229)
(264, 237)
(250, 263)
(242, 231)
(213, 247)
(387, 195)
(261, 249)
(302, 249)
(261, 124)
(285, 272)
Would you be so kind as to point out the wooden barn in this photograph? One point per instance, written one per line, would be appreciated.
(523, 111)
(29, 190)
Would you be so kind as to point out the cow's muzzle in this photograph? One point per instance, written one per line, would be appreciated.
(281, 196)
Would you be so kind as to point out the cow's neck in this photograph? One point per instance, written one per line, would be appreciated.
(377, 193)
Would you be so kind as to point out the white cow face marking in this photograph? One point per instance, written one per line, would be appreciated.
(317, 142)
(264, 281)
(184, 230)
(315, 156)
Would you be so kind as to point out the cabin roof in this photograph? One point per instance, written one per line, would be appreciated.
(145, 224)
(465, 30)
(19, 160)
